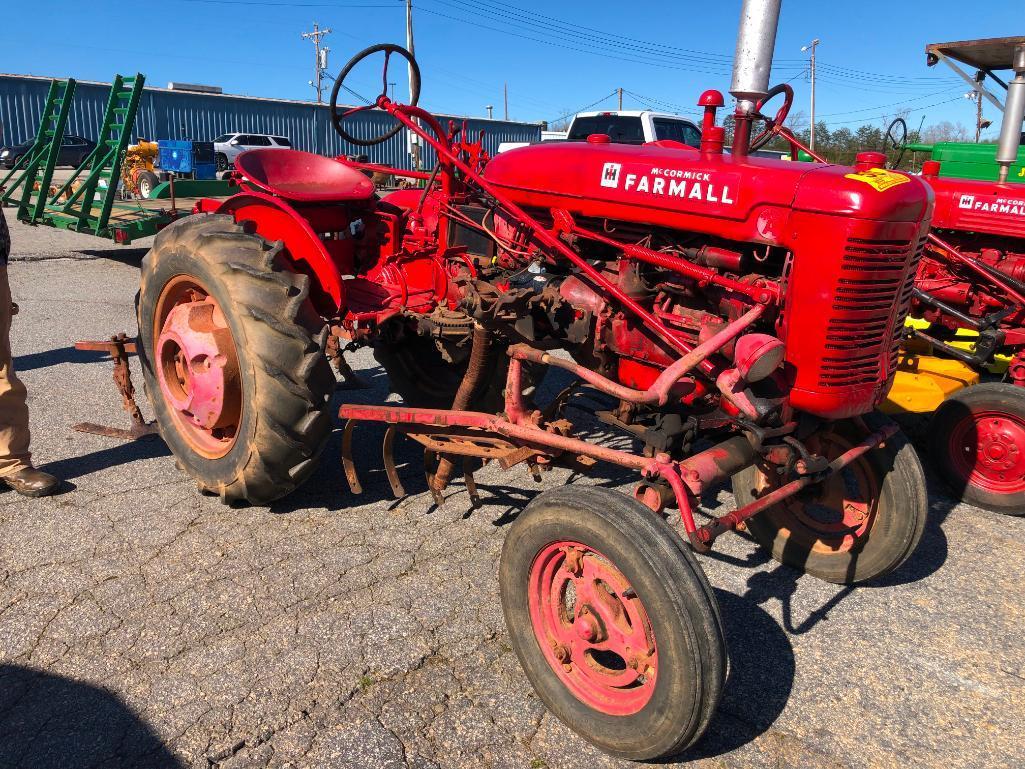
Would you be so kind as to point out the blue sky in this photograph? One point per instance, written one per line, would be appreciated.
(555, 57)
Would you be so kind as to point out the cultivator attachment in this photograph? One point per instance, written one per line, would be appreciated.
(119, 348)
(442, 440)
(520, 435)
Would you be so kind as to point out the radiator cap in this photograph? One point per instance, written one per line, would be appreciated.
(868, 160)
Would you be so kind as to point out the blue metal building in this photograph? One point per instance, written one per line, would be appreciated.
(167, 114)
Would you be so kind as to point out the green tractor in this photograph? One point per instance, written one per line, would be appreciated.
(967, 160)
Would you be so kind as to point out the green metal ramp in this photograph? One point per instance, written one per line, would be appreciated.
(86, 202)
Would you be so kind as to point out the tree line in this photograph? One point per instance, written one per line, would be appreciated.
(841, 144)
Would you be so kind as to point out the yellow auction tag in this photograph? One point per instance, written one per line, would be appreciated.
(878, 178)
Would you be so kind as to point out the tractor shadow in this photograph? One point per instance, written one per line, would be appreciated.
(121, 453)
(47, 720)
(127, 255)
(761, 677)
(55, 357)
(327, 489)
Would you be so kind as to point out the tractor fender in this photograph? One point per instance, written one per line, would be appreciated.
(274, 220)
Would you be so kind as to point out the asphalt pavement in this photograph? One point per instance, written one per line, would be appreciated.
(145, 625)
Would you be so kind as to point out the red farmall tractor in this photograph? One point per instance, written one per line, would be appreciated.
(970, 291)
(744, 314)
(964, 356)
(972, 279)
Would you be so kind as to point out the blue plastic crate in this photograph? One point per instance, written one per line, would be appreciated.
(175, 156)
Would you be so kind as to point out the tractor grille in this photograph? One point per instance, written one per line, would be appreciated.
(871, 300)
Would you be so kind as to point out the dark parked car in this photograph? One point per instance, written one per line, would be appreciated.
(74, 149)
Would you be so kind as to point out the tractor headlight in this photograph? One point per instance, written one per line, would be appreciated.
(757, 356)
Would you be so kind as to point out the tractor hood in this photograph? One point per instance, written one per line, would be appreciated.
(979, 206)
(672, 185)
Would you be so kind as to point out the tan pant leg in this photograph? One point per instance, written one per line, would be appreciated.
(14, 435)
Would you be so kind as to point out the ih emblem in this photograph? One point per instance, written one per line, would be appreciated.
(610, 175)
(966, 201)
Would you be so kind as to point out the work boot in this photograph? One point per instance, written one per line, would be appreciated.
(30, 482)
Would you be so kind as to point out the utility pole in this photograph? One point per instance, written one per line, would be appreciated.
(505, 90)
(409, 43)
(319, 58)
(414, 141)
(811, 46)
(620, 99)
(980, 77)
(978, 116)
(979, 122)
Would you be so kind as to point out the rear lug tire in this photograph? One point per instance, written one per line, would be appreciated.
(258, 430)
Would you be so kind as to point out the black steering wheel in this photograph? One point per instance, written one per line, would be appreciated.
(772, 123)
(897, 127)
(338, 116)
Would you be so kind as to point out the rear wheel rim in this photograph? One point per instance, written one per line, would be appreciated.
(836, 515)
(592, 628)
(197, 367)
(987, 450)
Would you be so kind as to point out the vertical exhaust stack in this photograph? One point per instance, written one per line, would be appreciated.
(1014, 114)
(752, 62)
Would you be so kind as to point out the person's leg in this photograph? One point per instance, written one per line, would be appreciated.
(14, 434)
(15, 458)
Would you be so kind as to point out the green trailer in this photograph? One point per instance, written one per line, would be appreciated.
(88, 200)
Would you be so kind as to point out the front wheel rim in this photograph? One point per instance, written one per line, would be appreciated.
(592, 628)
(987, 450)
(837, 514)
(197, 367)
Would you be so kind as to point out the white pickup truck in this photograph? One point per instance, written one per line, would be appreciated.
(627, 127)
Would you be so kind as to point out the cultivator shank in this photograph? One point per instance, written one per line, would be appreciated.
(119, 348)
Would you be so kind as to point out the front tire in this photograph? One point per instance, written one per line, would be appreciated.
(977, 438)
(613, 622)
(860, 524)
(222, 161)
(233, 357)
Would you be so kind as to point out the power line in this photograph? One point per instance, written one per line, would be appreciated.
(583, 109)
(287, 5)
(651, 102)
(594, 50)
(867, 120)
(563, 31)
(527, 16)
(881, 89)
(557, 44)
(893, 104)
(862, 74)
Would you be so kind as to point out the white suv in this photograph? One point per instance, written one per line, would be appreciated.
(228, 146)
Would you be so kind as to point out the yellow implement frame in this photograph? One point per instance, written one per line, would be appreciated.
(924, 381)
